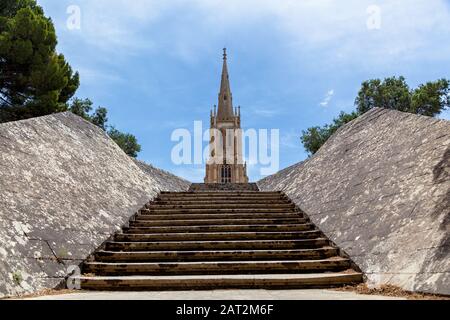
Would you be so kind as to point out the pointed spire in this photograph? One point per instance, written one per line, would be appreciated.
(225, 111)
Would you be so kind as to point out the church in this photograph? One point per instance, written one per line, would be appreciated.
(225, 164)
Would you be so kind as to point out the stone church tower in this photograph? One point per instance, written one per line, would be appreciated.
(225, 164)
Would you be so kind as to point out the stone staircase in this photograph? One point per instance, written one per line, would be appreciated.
(218, 239)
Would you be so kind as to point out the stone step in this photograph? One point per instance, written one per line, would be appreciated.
(209, 197)
(195, 187)
(217, 255)
(222, 267)
(221, 202)
(218, 239)
(223, 216)
(223, 193)
(217, 210)
(217, 236)
(198, 222)
(217, 245)
(242, 193)
(214, 282)
(220, 228)
(213, 205)
(200, 197)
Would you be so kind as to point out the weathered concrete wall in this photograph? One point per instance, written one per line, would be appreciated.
(380, 189)
(65, 186)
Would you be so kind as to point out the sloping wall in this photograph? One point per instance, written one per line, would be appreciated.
(65, 186)
(380, 189)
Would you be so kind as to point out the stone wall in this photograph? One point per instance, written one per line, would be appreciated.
(65, 187)
(380, 189)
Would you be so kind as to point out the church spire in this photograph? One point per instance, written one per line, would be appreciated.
(225, 111)
(225, 163)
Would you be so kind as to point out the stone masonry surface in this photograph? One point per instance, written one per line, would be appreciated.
(380, 189)
(65, 187)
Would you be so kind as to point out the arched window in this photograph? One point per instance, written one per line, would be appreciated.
(226, 174)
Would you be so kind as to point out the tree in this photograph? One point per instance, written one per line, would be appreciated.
(34, 79)
(313, 138)
(83, 108)
(100, 118)
(127, 142)
(9, 8)
(394, 93)
(429, 99)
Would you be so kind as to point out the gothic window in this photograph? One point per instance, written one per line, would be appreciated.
(226, 174)
(225, 97)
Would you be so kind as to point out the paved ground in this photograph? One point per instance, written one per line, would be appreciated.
(219, 295)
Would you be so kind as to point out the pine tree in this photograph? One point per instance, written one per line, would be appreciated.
(34, 79)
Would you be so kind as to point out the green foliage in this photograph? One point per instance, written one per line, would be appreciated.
(127, 142)
(8, 8)
(392, 93)
(34, 79)
(313, 138)
(83, 108)
(429, 99)
(100, 118)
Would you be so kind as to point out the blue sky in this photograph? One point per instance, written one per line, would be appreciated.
(293, 64)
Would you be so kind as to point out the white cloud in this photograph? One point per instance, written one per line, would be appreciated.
(337, 28)
(327, 98)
